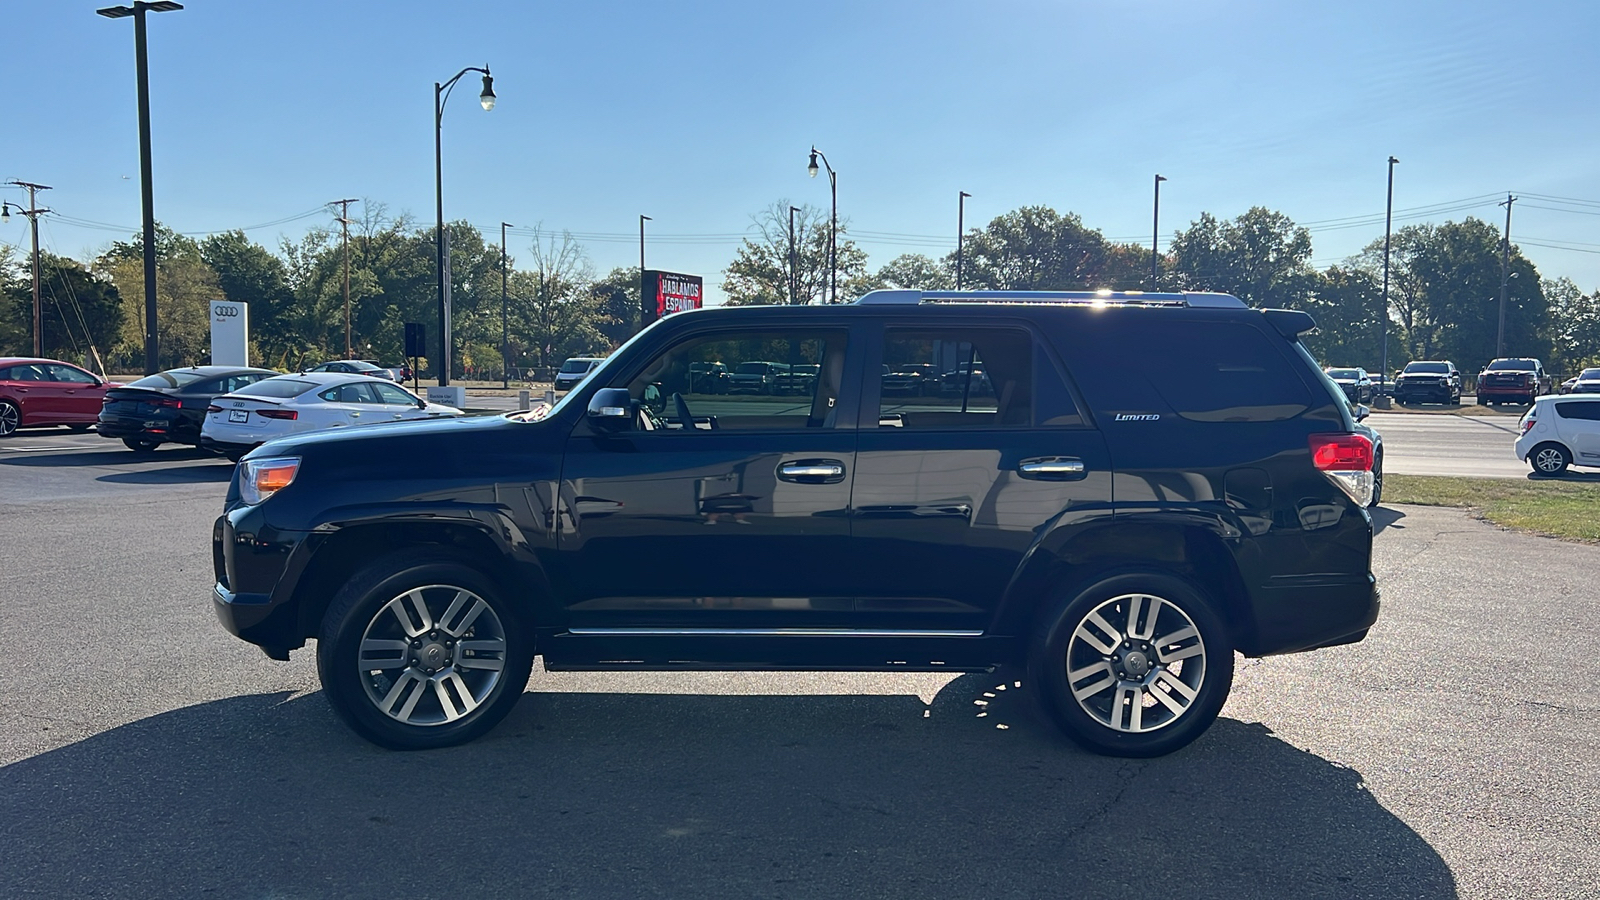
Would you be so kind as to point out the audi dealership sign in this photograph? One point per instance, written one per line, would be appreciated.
(668, 292)
(230, 333)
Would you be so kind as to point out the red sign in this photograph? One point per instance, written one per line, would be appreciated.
(676, 293)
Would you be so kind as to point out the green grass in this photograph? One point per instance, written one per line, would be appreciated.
(1559, 508)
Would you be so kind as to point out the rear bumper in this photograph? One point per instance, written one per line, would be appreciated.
(175, 431)
(1305, 613)
(226, 448)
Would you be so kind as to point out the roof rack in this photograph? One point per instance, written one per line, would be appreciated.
(1072, 298)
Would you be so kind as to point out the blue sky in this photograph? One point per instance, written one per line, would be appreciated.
(701, 114)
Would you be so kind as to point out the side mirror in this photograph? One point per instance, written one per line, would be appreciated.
(653, 400)
(421, 403)
(1361, 411)
(611, 407)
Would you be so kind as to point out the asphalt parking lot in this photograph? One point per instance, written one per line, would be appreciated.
(144, 752)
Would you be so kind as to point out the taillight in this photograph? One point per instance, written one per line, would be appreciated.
(278, 414)
(1346, 459)
(213, 408)
(167, 402)
(1528, 423)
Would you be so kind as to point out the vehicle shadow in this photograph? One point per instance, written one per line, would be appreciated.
(740, 796)
(1569, 475)
(67, 458)
(204, 472)
(1384, 517)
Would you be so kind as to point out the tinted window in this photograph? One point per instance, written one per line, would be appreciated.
(694, 376)
(1513, 365)
(574, 366)
(388, 393)
(1586, 409)
(277, 387)
(1427, 369)
(172, 379)
(985, 378)
(69, 375)
(359, 392)
(1221, 372)
(1343, 373)
(26, 372)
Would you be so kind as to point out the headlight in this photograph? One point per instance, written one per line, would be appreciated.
(261, 478)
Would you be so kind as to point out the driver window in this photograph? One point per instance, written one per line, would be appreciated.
(753, 380)
(69, 375)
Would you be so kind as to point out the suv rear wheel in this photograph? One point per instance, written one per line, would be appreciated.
(419, 654)
(1135, 665)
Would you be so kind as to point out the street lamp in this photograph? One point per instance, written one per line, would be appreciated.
(505, 334)
(138, 10)
(833, 231)
(961, 231)
(1155, 238)
(441, 96)
(1383, 318)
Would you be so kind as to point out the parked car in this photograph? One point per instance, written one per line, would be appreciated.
(169, 407)
(399, 372)
(1432, 381)
(1559, 432)
(800, 379)
(626, 529)
(308, 401)
(1512, 380)
(955, 381)
(916, 379)
(1566, 386)
(36, 392)
(755, 377)
(1360, 413)
(1356, 383)
(355, 367)
(1587, 382)
(574, 371)
(709, 378)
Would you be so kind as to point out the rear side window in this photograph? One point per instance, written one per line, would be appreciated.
(956, 378)
(277, 387)
(1586, 409)
(1220, 372)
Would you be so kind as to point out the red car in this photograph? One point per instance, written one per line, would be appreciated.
(48, 392)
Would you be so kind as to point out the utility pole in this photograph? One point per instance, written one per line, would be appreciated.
(793, 280)
(32, 212)
(1505, 273)
(961, 231)
(1383, 317)
(344, 220)
(642, 219)
(1155, 238)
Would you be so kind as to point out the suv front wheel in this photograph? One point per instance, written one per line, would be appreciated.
(1135, 665)
(415, 654)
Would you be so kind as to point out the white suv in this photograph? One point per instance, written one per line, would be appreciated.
(1560, 431)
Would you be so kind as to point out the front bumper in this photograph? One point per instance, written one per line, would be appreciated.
(256, 568)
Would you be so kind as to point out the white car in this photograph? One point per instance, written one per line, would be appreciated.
(574, 371)
(1587, 382)
(1560, 430)
(308, 401)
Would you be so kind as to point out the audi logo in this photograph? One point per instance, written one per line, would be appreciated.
(225, 312)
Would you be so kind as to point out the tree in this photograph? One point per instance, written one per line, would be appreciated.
(1346, 304)
(185, 287)
(914, 270)
(617, 304)
(557, 313)
(1034, 249)
(1575, 318)
(759, 273)
(1261, 257)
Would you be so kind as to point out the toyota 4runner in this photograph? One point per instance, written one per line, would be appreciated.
(1144, 484)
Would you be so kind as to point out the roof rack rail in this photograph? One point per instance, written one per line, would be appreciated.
(1073, 298)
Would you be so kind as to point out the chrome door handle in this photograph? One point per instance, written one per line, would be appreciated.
(1052, 467)
(812, 471)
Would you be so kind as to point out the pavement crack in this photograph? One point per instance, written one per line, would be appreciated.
(1126, 774)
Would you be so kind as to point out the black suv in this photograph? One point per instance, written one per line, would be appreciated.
(1438, 381)
(1147, 483)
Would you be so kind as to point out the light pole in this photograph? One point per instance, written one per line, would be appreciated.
(505, 333)
(1155, 239)
(441, 96)
(32, 212)
(794, 287)
(833, 231)
(961, 231)
(344, 222)
(1505, 270)
(1383, 316)
(642, 301)
(146, 189)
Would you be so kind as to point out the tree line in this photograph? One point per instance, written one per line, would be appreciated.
(1444, 284)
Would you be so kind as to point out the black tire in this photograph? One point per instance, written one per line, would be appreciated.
(140, 445)
(363, 615)
(1549, 458)
(1065, 641)
(1377, 480)
(10, 418)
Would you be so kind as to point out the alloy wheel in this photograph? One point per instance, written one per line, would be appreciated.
(432, 655)
(10, 418)
(1136, 663)
(1549, 460)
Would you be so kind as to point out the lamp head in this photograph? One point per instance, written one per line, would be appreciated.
(487, 97)
(1160, 178)
(1392, 160)
(812, 168)
(5, 212)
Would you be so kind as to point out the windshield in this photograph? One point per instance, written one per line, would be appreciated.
(276, 387)
(1343, 373)
(175, 378)
(1511, 365)
(573, 366)
(1427, 369)
(1589, 373)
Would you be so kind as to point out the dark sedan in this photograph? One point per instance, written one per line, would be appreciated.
(169, 407)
